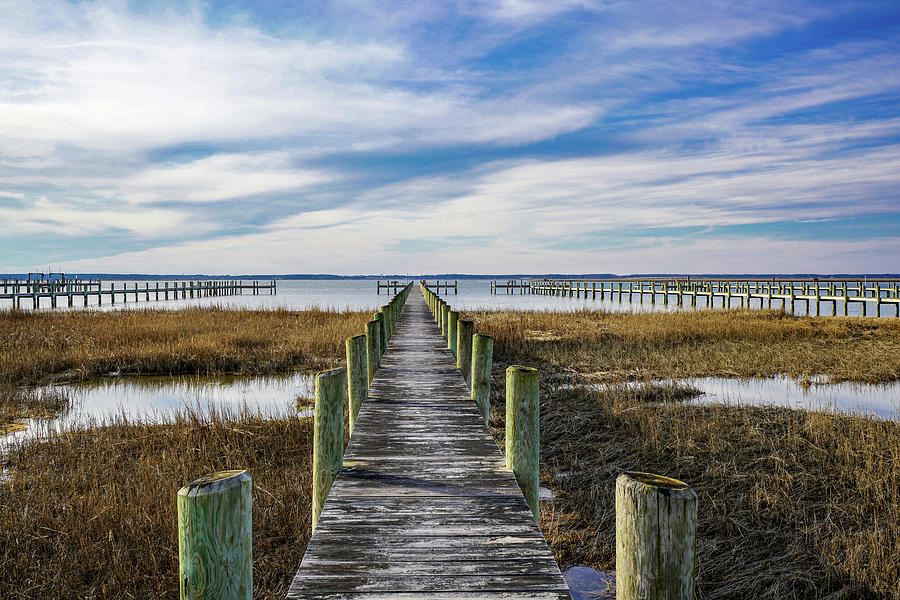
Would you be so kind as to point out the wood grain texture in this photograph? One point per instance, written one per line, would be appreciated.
(482, 357)
(523, 449)
(328, 435)
(656, 527)
(357, 376)
(424, 506)
(464, 333)
(215, 554)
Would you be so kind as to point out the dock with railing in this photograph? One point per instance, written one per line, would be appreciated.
(94, 292)
(816, 296)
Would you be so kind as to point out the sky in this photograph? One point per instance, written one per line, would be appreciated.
(477, 136)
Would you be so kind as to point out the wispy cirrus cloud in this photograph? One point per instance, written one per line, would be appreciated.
(551, 133)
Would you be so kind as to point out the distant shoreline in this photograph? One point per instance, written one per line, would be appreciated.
(329, 276)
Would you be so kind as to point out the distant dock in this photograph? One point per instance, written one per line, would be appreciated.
(69, 291)
(819, 296)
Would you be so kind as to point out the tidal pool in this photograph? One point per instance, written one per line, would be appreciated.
(157, 399)
(879, 400)
(586, 583)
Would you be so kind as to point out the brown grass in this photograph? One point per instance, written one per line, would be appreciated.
(17, 404)
(602, 346)
(793, 504)
(77, 345)
(92, 514)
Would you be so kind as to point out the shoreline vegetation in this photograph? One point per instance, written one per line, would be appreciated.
(792, 503)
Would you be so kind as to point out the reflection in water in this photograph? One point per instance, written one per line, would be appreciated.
(586, 583)
(881, 400)
(158, 398)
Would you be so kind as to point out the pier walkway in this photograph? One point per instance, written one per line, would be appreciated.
(424, 506)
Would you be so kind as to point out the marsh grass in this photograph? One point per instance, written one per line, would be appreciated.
(91, 513)
(600, 346)
(38, 347)
(18, 403)
(793, 504)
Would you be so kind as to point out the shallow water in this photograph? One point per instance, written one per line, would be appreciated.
(586, 583)
(157, 399)
(360, 294)
(882, 400)
(878, 400)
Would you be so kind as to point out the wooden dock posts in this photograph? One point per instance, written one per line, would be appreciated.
(523, 431)
(724, 293)
(656, 533)
(215, 543)
(17, 291)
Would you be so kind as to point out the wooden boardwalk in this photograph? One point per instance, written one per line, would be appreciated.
(424, 507)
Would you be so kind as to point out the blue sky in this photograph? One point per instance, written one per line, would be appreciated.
(471, 136)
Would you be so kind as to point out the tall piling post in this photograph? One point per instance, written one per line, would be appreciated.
(464, 332)
(357, 376)
(452, 325)
(480, 382)
(372, 350)
(656, 531)
(523, 431)
(215, 537)
(328, 435)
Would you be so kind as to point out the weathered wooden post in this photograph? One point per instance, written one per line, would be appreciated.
(523, 430)
(452, 326)
(464, 332)
(445, 319)
(382, 335)
(357, 376)
(480, 382)
(656, 529)
(328, 435)
(215, 537)
(372, 352)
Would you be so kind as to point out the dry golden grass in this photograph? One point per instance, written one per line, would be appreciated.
(792, 504)
(78, 345)
(602, 346)
(92, 514)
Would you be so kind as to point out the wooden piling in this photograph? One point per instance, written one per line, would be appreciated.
(452, 325)
(480, 383)
(523, 430)
(328, 435)
(215, 545)
(464, 332)
(357, 376)
(656, 528)
(372, 350)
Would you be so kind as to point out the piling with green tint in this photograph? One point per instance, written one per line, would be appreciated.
(452, 324)
(371, 348)
(328, 435)
(523, 430)
(357, 376)
(382, 339)
(480, 382)
(215, 537)
(464, 332)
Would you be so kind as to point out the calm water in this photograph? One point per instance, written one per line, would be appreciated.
(360, 294)
(158, 399)
(878, 400)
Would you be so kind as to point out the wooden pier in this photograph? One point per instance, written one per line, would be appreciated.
(511, 286)
(72, 290)
(392, 286)
(424, 506)
(443, 286)
(874, 294)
